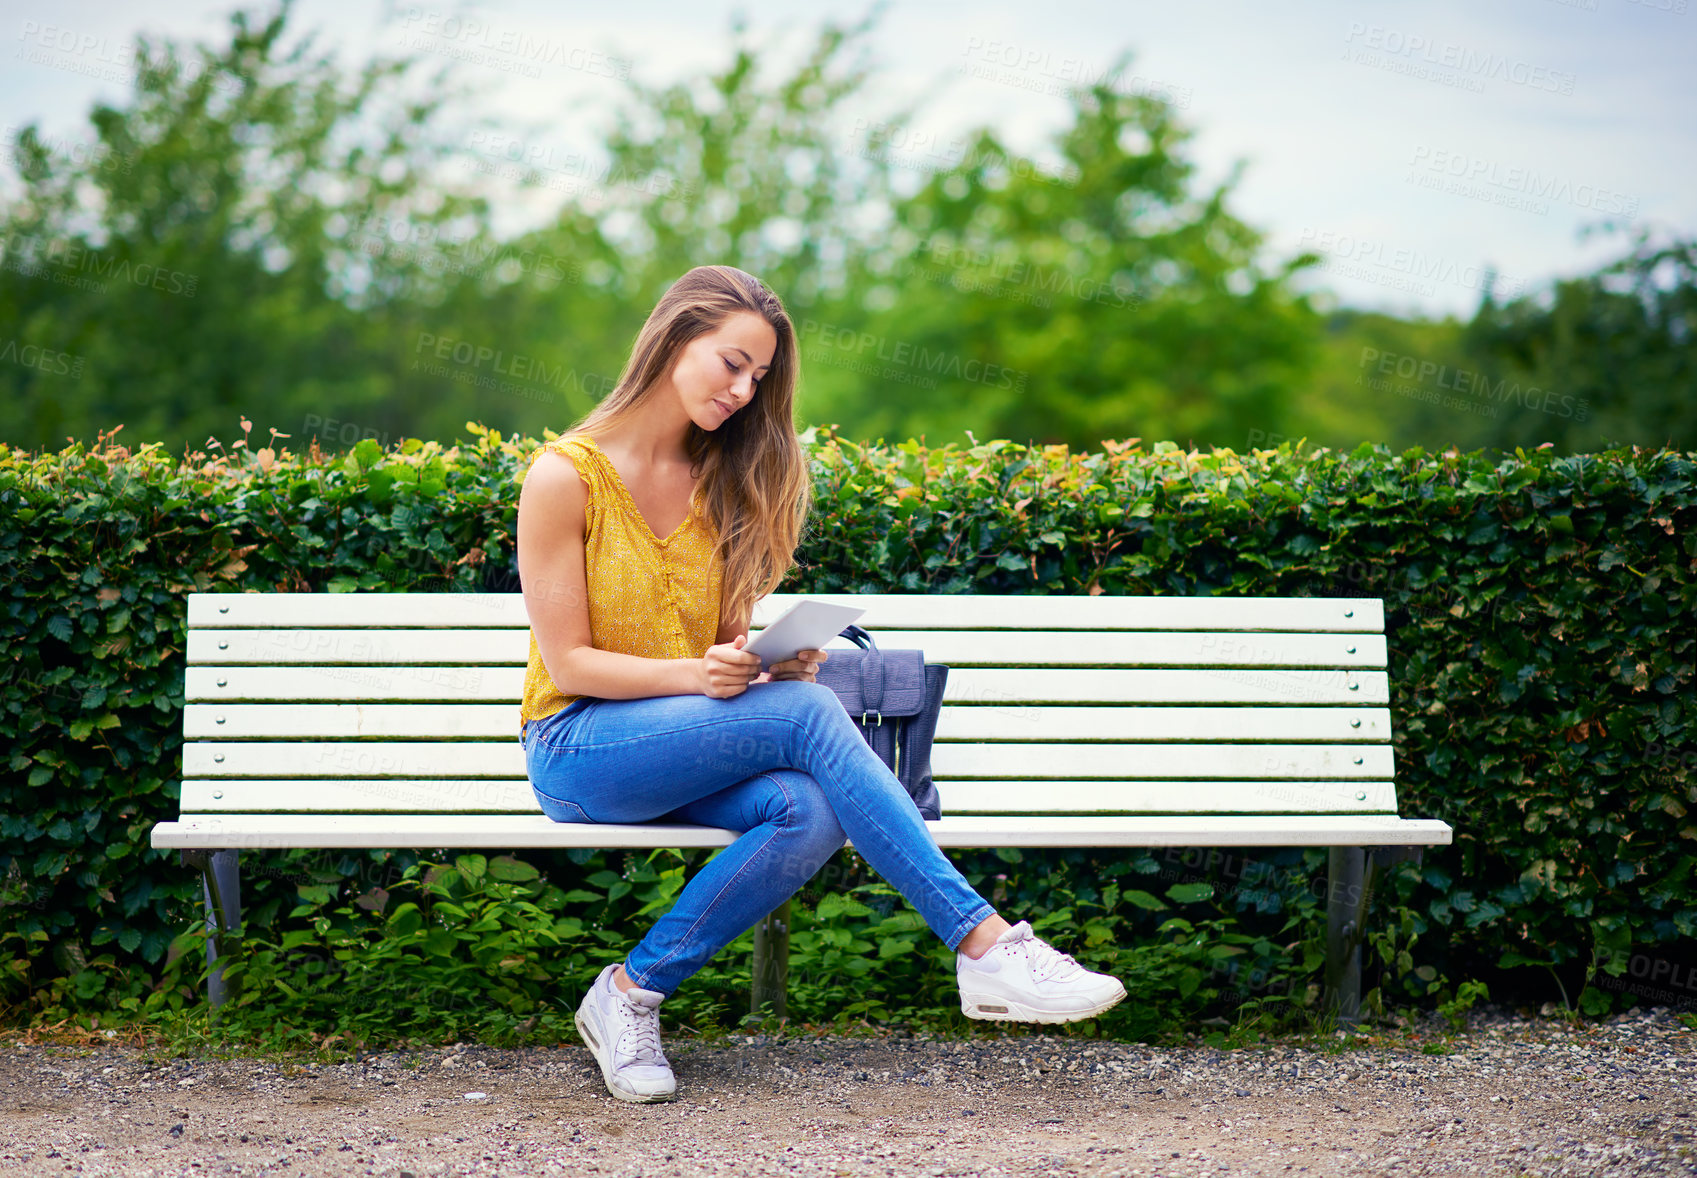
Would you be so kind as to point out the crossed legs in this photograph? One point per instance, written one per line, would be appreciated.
(783, 763)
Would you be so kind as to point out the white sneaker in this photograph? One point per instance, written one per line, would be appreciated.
(1022, 978)
(622, 1028)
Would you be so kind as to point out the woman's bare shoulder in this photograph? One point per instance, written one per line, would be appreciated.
(562, 456)
(554, 484)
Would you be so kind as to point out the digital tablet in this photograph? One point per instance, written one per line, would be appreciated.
(806, 625)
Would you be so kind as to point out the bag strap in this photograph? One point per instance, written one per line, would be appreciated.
(871, 673)
(872, 684)
(858, 636)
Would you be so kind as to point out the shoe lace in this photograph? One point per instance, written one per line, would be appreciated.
(641, 1036)
(1048, 961)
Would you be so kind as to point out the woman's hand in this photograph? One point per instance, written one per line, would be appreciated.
(803, 666)
(727, 669)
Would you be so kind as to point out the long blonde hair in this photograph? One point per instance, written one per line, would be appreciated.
(752, 470)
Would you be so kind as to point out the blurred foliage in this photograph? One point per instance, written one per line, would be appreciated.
(1619, 345)
(1072, 299)
(1596, 361)
(209, 256)
(1344, 407)
(260, 230)
(1541, 690)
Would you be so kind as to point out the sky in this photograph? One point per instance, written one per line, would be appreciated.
(1414, 147)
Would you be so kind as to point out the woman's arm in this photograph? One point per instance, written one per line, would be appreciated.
(728, 631)
(556, 597)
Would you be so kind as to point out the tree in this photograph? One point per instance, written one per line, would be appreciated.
(1092, 297)
(739, 167)
(260, 232)
(1601, 360)
(229, 247)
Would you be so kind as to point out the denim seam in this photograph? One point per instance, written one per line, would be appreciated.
(683, 939)
(529, 753)
(587, 820)
(607, 744)
(967, 924)
(540, 730)
(535, 789)
(538, 791)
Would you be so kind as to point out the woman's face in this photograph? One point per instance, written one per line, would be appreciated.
(717, 374)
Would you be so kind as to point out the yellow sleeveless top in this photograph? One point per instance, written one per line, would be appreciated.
(651, 597)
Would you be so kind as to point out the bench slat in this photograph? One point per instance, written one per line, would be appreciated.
(333, 721)
(1025, 762)
(431, 831)
(1170, 797)
(954, 722)
(969, 684)
(956, 648)
(958, 797)
(889, 611)
(492, 795)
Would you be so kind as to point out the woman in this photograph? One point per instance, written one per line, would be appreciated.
(645, 535)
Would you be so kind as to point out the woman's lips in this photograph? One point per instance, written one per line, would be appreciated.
(729, 409)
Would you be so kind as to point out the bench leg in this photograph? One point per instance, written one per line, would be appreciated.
(1346, 906)
(221, 887)
(771, 960)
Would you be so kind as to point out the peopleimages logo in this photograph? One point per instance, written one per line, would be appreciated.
(1030, 68)
(513, 157)
(49, 360)
(482, 366)
(1473, 384)
(1467, 63)
(475, 40)
(1665, 975)
(1467, 175)
(922, 149)
(93, 56)
(998, 269)
(76, 152)
(916, 359)
(1348, 254)
(73, 264)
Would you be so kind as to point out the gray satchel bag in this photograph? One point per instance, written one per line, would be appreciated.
(895, 696)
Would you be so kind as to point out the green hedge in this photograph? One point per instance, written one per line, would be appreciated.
(1538, 608)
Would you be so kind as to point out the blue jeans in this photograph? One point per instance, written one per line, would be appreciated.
(781, 762)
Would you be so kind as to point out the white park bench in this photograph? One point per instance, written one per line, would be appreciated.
(391, 720)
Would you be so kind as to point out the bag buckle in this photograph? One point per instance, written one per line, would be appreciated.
(880, 716)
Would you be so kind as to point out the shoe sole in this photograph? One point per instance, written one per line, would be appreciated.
(595, 1049)
(996, 1008)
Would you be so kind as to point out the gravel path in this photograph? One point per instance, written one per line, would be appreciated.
(1513, 1096)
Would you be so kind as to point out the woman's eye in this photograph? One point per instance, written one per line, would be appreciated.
(731, 366)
